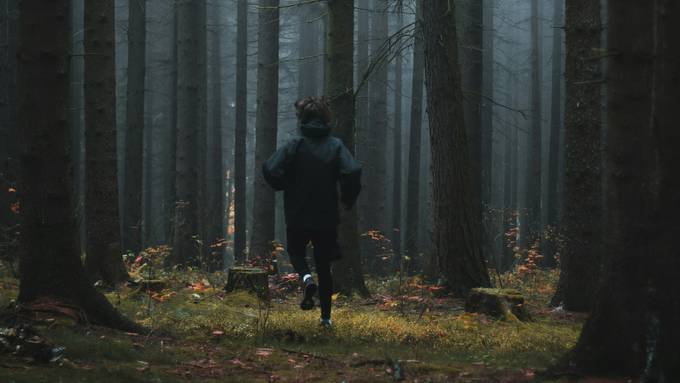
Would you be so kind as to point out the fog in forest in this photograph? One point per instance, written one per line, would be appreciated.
(479, 190)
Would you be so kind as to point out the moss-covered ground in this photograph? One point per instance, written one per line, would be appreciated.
(202, 334)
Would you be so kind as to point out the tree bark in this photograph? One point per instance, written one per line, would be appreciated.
(78, 118)
(415, 133)
(215, 172)
(265, 126)
(472, 79)
(50, 264)
(347, 273)
(134, 137)
(456, 226)
(487, 106)
(240, 131)
(191, 71)
(361, 100)
(396, 161)
(148, 235)
(376, 161)
(555, 126)
(532, 222)
(509, 188)
(308, 49)
(582, 220)
(171, 150)
(103, 254)
(632, 329)
(8, 100)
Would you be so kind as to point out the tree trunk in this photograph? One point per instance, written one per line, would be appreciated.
(396, 162)
(582, 220)
(171, 150)
(361, 101)
(103, 259)
(191, 70)
(240, 131)
(376, 160)
(78, 119)
(8, 144)
(414, 148)
(215, 172)
(148, 237)
(509, 188)
(308, 49)
(456, 226)
(633, 325)
(665, 264)
(347, 273)
(555, 125)
(472, 80)
(50, 264)
(488, 68)
(265, 126)
(134, 138)
(532, 222)
(486, 130)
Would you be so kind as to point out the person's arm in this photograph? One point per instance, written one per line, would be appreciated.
(350, 178)
(275, 169)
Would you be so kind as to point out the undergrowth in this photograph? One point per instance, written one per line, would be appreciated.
(417, 325)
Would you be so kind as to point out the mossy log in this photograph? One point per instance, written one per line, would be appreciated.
(505, 304)
(249, 279)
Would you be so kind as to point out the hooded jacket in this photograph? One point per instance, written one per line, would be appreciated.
(309, 169)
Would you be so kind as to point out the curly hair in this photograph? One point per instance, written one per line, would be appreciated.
(310, 108)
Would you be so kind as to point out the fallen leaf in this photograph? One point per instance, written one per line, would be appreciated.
(237, 362)
(265, 352)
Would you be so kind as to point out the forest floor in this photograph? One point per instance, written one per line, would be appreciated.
(202, 334)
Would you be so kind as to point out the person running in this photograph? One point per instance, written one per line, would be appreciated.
(308, 170)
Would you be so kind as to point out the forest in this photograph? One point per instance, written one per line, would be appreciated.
(339, 191)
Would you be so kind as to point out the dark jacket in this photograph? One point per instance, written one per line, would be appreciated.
(308, 169)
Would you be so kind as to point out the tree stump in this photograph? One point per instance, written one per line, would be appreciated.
(505, 304)
(249, 279)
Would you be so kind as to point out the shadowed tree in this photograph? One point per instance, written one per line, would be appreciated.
(265, 126)
(532, 222)
(582, 219)
(215, 173)
(347, 272)
(50, 264)
(8, 164)
(415, 133)
(555, 125)
(486, 131)
(171, 150)
(134, 137)
(191, 104)
(396, 160)
(308, 72)
(361, 99)
(457, 226)
(472, 78)
(376, 158)
(632, 329)
(103, 259)
(240, 131)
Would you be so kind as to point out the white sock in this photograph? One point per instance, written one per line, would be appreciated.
(307, 276)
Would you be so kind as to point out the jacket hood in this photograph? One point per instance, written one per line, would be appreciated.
(315, 129)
